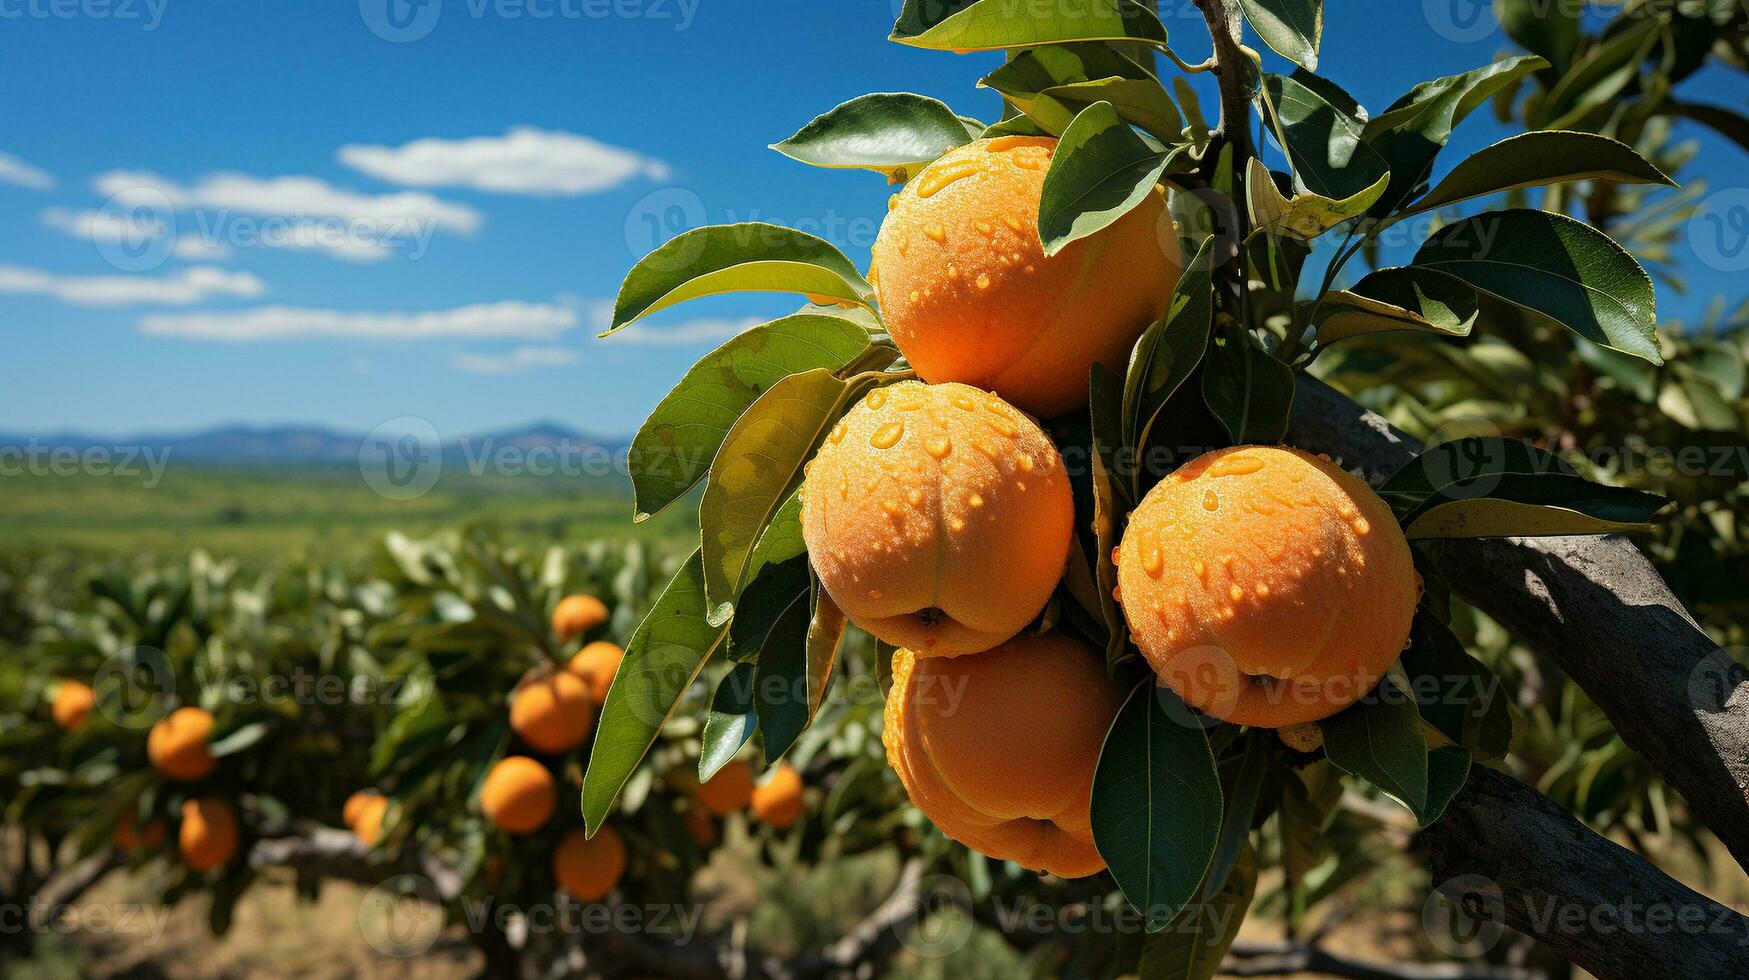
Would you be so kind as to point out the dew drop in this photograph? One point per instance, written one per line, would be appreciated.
(1237, 464)
(915, 497)
(1152, 563)
(892, 506)
(975, 501)
(876, 399)
(953, 271)
(938, 446)
(1236, 592)
(876, 594)
(983, 281)
(1361, 526)
(1012, 222)
(935, 233)
(963, 401)
(985, 227)
(1262, 589)
(1210, 501)
(888, 435)
(1025, 463)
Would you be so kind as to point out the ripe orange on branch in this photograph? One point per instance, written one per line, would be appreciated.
(969, 295)
(1266, 586)
(71, 704)
(938, 517)
(553, 713)
(208, 835)
(576, 615)
(589, 867)
(597, 663)
(176, 745)
(998, 749)
(729, 790)
(518, 794)
(129, 836)
(778, 800)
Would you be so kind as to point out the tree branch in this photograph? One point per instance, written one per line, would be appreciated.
(1292, 959)
(1509, 854)
(1598, 608)
(1233, 68)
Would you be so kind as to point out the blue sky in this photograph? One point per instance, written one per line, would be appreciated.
(459, 281)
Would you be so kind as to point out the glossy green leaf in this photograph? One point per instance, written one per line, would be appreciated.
(1250, 393)
(1398, 299)
(1493, 517)
(768, 596)
(1156, 806)
(1448, 768)
(782, 538)
(781, 680)
(1556, 268)
(752, 256)
(1101, 170)
(982, 25)
(1170, 350)
(1459, 696)
(1054, 82)
(662, 658)
(1320, 127)
(825, 638)
(1192, 947)
(1547, 29)
(1292, 28)
(1379, 739)
(1537, 159)
(1598, 75)
(760, 462)
(730, 723)
(893, 133)
(1105, 416)
(1302, 216)
(674, 448)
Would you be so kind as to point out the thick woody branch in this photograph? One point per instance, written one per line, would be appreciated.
(1598, 608)
(1233, 69)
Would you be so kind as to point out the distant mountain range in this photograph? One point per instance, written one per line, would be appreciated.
(298, 445)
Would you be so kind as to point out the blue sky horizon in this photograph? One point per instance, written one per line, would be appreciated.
(344, 214)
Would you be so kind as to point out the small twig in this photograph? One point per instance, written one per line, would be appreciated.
(1251, 959)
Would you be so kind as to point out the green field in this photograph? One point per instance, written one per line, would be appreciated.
(320, 513)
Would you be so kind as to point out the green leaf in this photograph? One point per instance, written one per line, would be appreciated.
(1448, 768)
(1734, 126)
(1556, 268)
(662, 659)
(1398, 299)
(983, 25)
(752, 256)
(1105, 408)
(760, 462)
(1303, 216)
(894, 133)
(237, 740)
(1101, 170)
(1460, 697)
(1537, 159)
(780, 680)
(730, 723)
(1241, 799)
(1156, 806)
(1054, 82)
(769, 595)
(1170, 350)
(1192, 947)
(674, 448)
(1598, 76)
(1467, 471)
(1379, 739)
(1547, 29)
(1292, 28)
(1250, 393)
(1493, 517)
(1320, 127)
(781, 540)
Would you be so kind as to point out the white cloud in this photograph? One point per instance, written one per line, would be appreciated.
(524, 160)
(192, 285)
(710, 330)
(194, 248)
(515, 360)
(16, 171)
(104, 226)
(510, 319)
(394, 215)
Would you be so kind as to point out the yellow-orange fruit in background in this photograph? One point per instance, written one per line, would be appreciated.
(938, 517)
(597, 663)
(729, 790)
(778, 800)
(208, 835)
(553, 713)
(588, 867)
(1266, 586)
(355, 804)
(968, 294)
(72, 702)
(129, 836)
(702, 830)
(176, 745)
(576, 615)
(998, 749)
(518, 794)
(369, 825)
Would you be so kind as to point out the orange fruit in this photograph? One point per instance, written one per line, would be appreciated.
(72, 702)
(208, 835)
(778, 800)
(938, 517)
(587, 867)
(1266, 586)
(553, 713)
(576, 615)
(518, 794)
(176, 745)
(128, 837)
(355, 806)
(968, 294)
(998, 748)
(729, 790)
(369, 826)
(597, 663)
